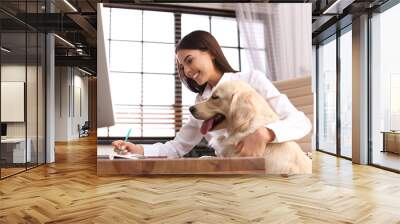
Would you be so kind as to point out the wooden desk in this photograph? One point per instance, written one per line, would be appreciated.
(234, 165)
(214, 165)
(391, 141)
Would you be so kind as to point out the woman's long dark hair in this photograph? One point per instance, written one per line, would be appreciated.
(204, 41)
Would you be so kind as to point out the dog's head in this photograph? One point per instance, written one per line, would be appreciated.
(232, 105)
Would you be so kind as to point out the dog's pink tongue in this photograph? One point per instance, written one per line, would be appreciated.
(206, 126)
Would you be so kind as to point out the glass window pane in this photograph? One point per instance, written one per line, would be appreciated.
(128, 114)
(158, 58)
(225, 31)
(158, 26)
(126, 56)
(102, 132)
(191, 23)
(156, 86)
(106, 22)
(126, 88)
(346, 93)
(327, 97)
(158, 121)
(258, 58)
(126, 24)
(188, 97)
(244, 61)
(394, 102)
(385, 115)
(232, 55)
(120, 130)
(255, 39)
(153, 130)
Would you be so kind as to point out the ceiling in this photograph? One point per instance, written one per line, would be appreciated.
(76, 21)
(77, 25)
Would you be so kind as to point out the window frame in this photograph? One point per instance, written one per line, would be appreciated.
(177, 11)
(325, 34)
(333, 37)
(378, 10)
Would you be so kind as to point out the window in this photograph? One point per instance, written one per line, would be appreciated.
(385, 86)
(327, 96)
(335, 60)
(194, 22)
(257, 53)
(118, 23)
(142, 68)
(346, 93)
(141, 71)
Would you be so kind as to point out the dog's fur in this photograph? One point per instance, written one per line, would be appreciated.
(245, 111)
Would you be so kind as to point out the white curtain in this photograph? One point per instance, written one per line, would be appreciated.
(276, 38)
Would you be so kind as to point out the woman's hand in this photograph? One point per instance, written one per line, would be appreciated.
(130, 147)
(255, 143)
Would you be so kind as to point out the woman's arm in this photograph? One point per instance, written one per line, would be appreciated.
(184, 141)
(292, 124)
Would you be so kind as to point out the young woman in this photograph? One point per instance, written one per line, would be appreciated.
(201, 66)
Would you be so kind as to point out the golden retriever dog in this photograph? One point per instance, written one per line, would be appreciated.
(241, 110)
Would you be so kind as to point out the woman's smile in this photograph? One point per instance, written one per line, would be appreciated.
(197, 77)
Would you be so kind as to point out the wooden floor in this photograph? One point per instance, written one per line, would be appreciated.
(10, 171)
(70, 192)
(387, 159)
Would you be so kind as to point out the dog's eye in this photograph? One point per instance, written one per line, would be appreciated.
(214, 97)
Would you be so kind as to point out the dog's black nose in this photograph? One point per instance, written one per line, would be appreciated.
(192, 110)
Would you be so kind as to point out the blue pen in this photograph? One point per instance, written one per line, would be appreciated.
(127, 135)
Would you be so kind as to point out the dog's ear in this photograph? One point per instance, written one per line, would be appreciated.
(241, 112)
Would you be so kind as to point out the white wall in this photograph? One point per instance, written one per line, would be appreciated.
(61, 103)
(67, 115)
(80, 83)
(33, 127)
(13, 73)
